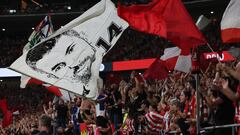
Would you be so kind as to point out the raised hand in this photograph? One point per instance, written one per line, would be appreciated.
(224, 83)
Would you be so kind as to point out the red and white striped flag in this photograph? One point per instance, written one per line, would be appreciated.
(177, 59)
(230, 24)
(173, 58)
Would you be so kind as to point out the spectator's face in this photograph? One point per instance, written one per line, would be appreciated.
(71, 58)
(182, 97)
(143, 105)
(188, 85)
(216, 84)
(151, 109)
(50, 103)
(60, 102)
(177, 93)
(141, 118)
(173, 107)
(134, 91)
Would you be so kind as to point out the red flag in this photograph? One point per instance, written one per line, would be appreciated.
(157, 70)
(223, 56)
(144, 19)
(180, 27)
(7, 115)
(53, 89)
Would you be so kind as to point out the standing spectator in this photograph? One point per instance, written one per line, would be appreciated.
(115, 106)
(225, 110)
(62, 114)
(100, 107)
(103, 127)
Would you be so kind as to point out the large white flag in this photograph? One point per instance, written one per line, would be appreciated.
(230, 24)
(42, 31)
(70, 58)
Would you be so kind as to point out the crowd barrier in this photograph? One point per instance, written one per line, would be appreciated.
(203, 130)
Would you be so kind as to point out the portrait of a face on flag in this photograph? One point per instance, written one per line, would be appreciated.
(70, 58)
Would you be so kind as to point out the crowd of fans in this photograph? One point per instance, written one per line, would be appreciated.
(137, 106)
(130, 105)
(11, 7)
(8, 7)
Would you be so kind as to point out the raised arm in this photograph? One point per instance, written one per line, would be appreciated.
(227, 91)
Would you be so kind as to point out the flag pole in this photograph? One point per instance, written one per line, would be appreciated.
(197, 94)
(197, 78)
(212, 51)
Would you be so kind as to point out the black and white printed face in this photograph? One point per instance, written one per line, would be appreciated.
(71, 58)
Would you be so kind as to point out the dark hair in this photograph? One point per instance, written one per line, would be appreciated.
(87, 112)
(37, 52)
(187, 94)
(158, 98)
(101, 121)
(132, 111)
(154, 106)
(146, 103)
(45, 121)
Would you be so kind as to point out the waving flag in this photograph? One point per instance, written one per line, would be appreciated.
(170, 14)
(144, 19)
(43, 30)
(223, 56)
(173, 58)
(158, 70)
(71, 57)
(7, 115)
(230, 24)
(177, 59)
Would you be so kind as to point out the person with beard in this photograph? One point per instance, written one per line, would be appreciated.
(58, 59)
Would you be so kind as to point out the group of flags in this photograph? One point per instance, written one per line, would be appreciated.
(168, 19)
(99, 28)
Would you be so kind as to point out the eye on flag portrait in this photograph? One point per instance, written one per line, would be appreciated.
(71, 57)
